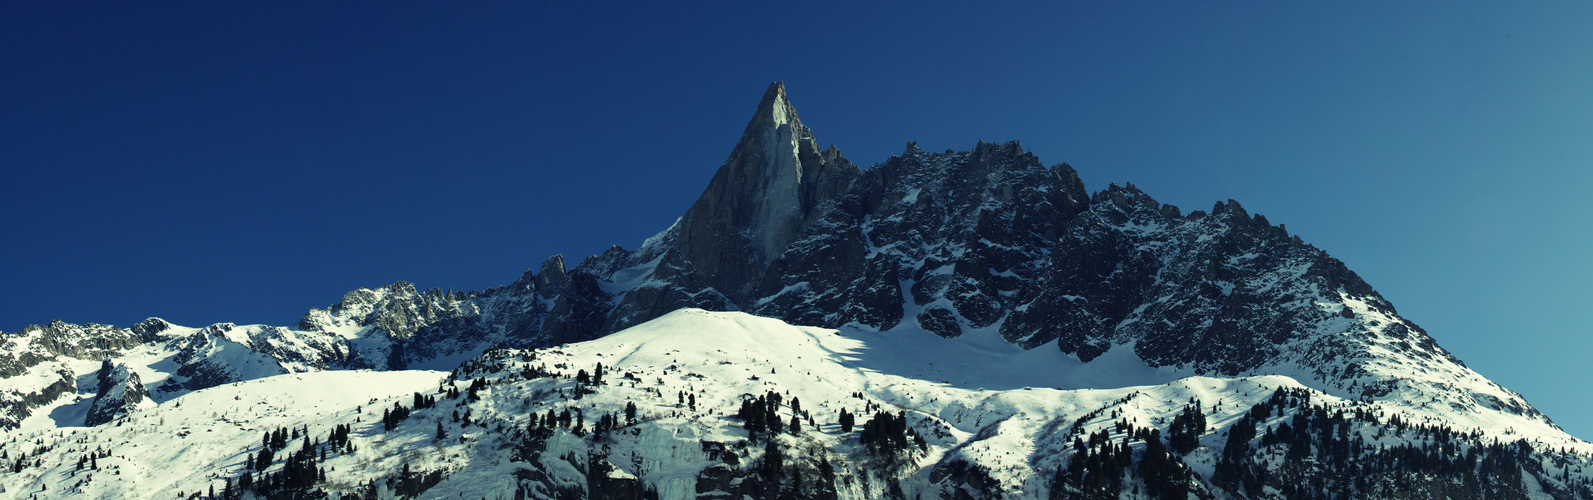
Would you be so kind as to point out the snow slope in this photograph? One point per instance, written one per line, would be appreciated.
(974, 399)
(185, 443)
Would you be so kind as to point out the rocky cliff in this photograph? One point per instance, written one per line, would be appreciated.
(120, 393)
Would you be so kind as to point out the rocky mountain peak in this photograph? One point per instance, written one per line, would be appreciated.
(551, 279)
(775, 181)
(150, 329)
(774, 178)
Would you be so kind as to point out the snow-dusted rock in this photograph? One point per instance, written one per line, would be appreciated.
(120, 393)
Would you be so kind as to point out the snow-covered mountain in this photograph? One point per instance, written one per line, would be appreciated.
(995, 330)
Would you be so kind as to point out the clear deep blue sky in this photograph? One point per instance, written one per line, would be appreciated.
(207, 162)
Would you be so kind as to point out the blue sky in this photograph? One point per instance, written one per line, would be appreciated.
(208, 162)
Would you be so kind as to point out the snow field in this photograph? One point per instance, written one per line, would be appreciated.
(184, 444)
(974, 398)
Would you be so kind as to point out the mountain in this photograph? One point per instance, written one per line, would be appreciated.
(994, 329)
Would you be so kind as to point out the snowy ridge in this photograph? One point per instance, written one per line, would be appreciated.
(1343, 339)
(985, 411)
(389, 327)
(185, 442)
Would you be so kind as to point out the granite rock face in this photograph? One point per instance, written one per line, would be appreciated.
(774, 182)
(120, 393)
(926, 234)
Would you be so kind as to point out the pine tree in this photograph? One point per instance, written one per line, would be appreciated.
(774, 423)
(773, 460)
(827, 474)
(751, 415)
(441, 434)
(264, 461)
(630, 412)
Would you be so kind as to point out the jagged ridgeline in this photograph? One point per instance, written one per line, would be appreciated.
(968, 324)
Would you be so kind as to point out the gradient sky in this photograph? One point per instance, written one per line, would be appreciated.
(207, 162)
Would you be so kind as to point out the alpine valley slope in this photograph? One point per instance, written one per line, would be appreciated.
(995, 330)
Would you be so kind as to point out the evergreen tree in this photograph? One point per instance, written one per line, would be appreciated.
(751, 415)
(826, 478)
(263, 462)
(773, 460)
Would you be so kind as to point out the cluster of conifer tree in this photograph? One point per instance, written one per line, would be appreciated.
(762, 415)
(886, 435)
(846, 421)
(1326, 455)
(1100, 464)
(300, 473)
(391, 418)
(1183, 436)
(90, 461)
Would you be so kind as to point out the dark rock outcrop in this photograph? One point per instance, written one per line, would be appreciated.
(120, 392)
